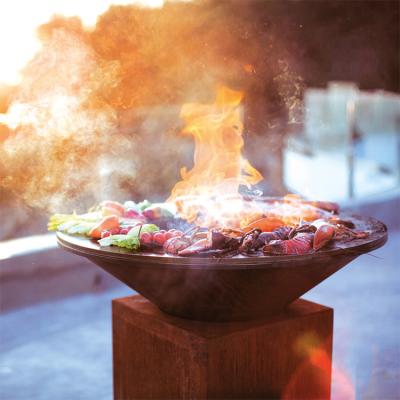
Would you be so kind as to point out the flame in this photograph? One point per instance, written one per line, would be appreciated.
(86, 82)
(208, 195)
(219, 167)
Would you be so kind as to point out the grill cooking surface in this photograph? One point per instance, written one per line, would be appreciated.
(376, 239)
(226, 289)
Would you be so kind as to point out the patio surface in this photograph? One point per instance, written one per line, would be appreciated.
(62, 350)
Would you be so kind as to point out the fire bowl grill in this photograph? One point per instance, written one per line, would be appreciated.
(225, 289)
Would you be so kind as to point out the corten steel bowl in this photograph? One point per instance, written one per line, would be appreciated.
(225, 289)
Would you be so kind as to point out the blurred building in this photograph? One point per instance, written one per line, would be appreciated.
(349, 147)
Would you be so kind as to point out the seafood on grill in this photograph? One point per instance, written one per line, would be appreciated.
(302, 243)
(195, 248)
(288, 228)
(176, 244)
(249, 241)
(281, 233)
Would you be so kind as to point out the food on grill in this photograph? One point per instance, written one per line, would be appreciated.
(287, 226)
(265, 224)
(132, 239)
(207, 213)
(108, 224)
(302, 243)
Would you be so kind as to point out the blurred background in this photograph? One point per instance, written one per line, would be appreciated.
(90, 96)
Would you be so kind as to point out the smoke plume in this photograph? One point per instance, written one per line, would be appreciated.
(97, 111)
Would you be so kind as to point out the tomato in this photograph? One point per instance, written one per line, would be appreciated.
(146, 238)
(159, 238)
(169, 235)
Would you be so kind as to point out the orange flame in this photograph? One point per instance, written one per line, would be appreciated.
(219, 167)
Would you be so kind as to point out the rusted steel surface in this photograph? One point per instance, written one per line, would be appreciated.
(223, 289)
(157, 356)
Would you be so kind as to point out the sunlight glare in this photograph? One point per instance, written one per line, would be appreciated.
(19, 20)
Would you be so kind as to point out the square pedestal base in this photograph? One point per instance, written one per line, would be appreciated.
(158, 356)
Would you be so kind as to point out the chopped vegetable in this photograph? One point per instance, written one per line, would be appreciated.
(133, 214)
(159, 238)
(78, 224)
(146, 238)
(148, 228)
(131, 205)
(139, 207)
(107, 223)
(112, 208)
(143, 205)
(82, 228)
(126, 241)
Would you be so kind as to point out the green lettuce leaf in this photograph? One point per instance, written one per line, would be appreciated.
(64, 222)
(134, 232)
(128, 242)
(81, 228)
